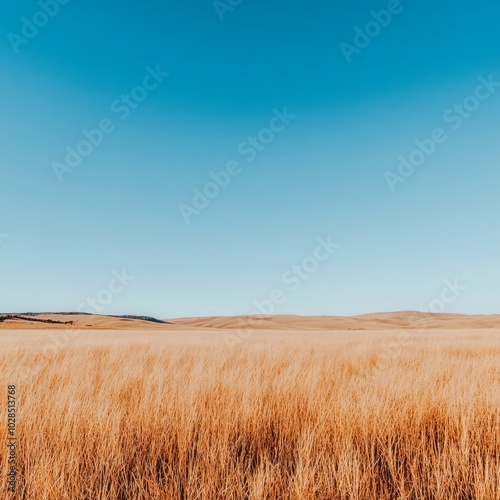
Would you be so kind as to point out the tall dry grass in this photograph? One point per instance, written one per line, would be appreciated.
(304, 417)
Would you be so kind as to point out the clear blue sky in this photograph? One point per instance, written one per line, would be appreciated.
(324, 174)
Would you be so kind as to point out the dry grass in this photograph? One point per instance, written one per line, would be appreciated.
(296, 417)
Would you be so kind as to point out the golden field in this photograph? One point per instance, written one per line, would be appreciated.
(282, 414)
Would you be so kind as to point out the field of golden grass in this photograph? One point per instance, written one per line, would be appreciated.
(281, 415)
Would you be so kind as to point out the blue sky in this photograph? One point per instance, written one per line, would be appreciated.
(324, 174)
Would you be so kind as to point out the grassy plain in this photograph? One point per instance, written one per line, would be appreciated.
(280, 415)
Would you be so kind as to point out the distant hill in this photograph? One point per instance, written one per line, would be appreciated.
(377, 321)
(77, 320)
